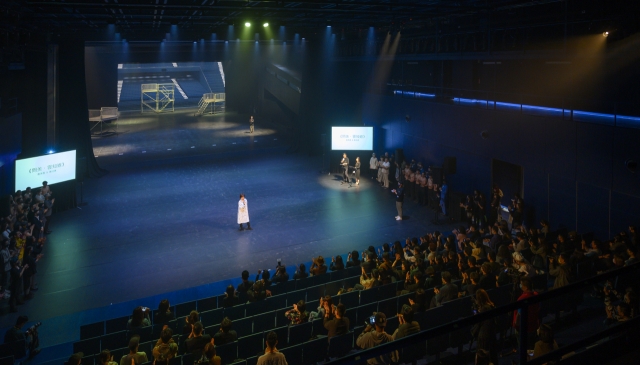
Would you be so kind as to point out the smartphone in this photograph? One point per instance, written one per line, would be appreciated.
(475, 311)
(372, 320)
(279, 261)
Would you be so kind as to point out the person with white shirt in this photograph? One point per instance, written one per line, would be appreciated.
(243, 213)
(385, 172)
(373, 165)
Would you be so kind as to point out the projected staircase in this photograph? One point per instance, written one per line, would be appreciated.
(212, 100)
(157, 97)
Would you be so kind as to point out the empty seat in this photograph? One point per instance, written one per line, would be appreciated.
(92, 330)
(235, 312)
(114, 340)
(363, 312)
(368, 296)
(315, 292)
(89, 346)
(227, 352)
(314, 351)
(299, 333)
(351, 299)
(340, 345)
(207, 304)
(283, 336)
(116, 324)
(212, 317)
(293, 354)
(252, 345)
(244, 327)
(388, 306)
(263, 322)
(183, 309)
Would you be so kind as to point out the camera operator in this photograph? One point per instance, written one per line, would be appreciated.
(370, 338)
(30, 335)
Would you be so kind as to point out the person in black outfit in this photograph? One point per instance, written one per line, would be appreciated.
(226, 334)
(485, 331)
(15, 333)
(14, 285)
(399, 200)
(353, 259)
(338, 324)
(164, 314)
(197, 341)
(230, 298)
(357, 168)
(345, 168)
(281, 275)
(246, 284)
(301, 273)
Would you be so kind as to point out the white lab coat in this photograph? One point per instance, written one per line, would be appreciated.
(243, 211)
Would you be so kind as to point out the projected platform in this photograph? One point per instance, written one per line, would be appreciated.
(157, 98)
(211, 103)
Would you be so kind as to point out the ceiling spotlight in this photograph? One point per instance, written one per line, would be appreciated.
(265, 25)
(247, 24)
(605, 34)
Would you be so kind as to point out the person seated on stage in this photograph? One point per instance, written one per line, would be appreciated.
(226, 334)
(246, 283)
(164, 313)
(353, 259)
(301, 272)
(336, 263)
(317, 266)
(281, 275)
(230, 298)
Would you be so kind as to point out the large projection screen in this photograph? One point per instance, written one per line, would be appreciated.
(52, 168)
(352, 138)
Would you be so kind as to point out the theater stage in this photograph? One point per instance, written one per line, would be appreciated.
(165, 220)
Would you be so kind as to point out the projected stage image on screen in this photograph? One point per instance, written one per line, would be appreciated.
(352, 138)
(180, 84)
(52, 168)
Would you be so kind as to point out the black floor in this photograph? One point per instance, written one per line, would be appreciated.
(165, 220)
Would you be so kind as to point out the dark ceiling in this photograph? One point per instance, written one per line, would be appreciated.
(151, 19)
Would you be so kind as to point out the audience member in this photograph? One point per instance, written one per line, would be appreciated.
(336, 263)
(353, 259)
(139, 318)
(75, 359)
(533, 312)
(164, 313)
(448, 291)
(15, 333)
(374, 335)
(246, 284)
(546, 343)
(230, 298)
(190, 321)
(210, 355)
(281, 275)
(407, 326)
(271, 354)
(337, 324)
(106, 358)
(485, 331)
(301, 272)
(560, 270)
(166, 348)
(317, 266)
(226, 334)
(298, 314)
(134, 356)
(197, 340)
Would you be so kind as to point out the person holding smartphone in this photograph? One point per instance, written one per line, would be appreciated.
(374, 335)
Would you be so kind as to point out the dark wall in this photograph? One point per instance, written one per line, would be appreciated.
(574, 173)
(100, 71)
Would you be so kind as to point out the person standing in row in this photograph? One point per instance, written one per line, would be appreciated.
(251, 123)
(399, 200)
(385, 172)
(373, 166)
(357, 168)
(243, 213)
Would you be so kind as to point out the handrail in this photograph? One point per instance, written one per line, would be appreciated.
(523, 305)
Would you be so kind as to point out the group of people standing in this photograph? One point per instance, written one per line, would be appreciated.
(380, 168)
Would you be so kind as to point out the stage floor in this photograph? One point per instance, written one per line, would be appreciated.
(166, 220)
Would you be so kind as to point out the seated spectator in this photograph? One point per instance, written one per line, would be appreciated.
(407, 326)
(533, 313)
(166, 348)
(519, 242)
(139, 318)
(106, 358)
(491, 258)
(298, 314)
(631, 252)
(164, 313)
(419, 303)
(448, 291)
(367, 280)
(30, 337)
(210, 355)
(353, 259)
(264, 276)
(325, 306)
(337, 324)
(75, 359)
(523, 266)
(226, 334)
(412, 283)
(622, 313)
(560, 270)
(431, 280)
(134, 356)
(546, 344)
(271, 354)
(281, 275)
(374, 335)
(485, 331)
(317, 266)
(191, 320)
(386, 269)
(369, 261)
(487, 278)
(258, 291)
(230, 298)
(301, 272)
(336, 263)
(471, 288)
(246, 284)
(197, 340)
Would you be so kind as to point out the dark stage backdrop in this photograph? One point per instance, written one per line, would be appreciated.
(73, 127)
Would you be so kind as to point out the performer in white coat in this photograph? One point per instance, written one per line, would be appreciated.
(243, 213)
